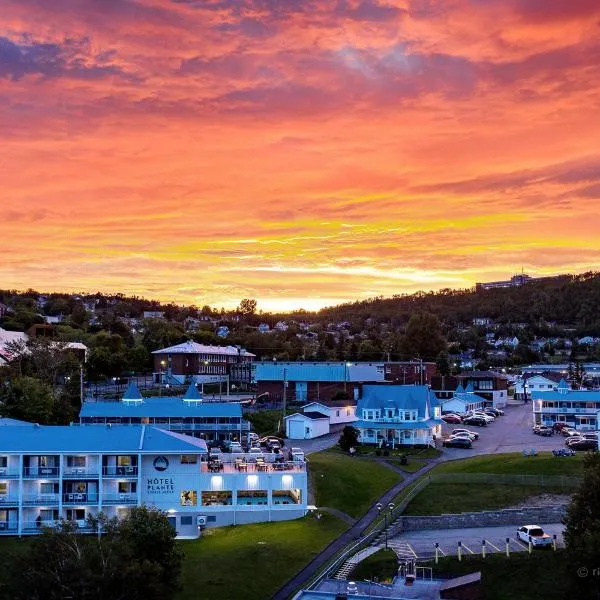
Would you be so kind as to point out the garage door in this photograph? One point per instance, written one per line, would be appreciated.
(296, 429)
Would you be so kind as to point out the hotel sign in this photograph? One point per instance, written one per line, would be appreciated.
(160, 485)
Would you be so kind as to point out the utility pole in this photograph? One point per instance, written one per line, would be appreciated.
(285, 384)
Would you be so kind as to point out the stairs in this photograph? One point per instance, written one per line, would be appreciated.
(403, 550)
(349, 565)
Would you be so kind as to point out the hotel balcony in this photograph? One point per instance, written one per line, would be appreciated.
(6, 473)
(239, 462)
(9, 500)
(41, 472)
(80, 472)
(79, 499)
(41, 500)
(8, 528)
(118, 471)
(116, 499)
(565, 411)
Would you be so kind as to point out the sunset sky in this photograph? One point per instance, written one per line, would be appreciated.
(301, 152)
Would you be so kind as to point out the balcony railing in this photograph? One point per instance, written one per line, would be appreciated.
(8, 499)
(40, 499)
(41, 472)
(118, 471)
(7, 473)
(565, 411)
(8, 527)
(204, 427)
(76, 472)
(80, 498)
(125, 498)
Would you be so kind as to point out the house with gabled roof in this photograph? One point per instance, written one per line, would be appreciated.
(398, 415)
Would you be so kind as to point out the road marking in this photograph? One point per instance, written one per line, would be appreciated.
(520, 543)
(488, 543)
(443, 553)
(467, 548)
(411, 549)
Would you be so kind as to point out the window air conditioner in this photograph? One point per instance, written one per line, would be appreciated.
(201, 521)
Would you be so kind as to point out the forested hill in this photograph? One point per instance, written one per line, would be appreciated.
(569, 300)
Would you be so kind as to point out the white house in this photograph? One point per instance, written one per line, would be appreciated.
(338, 412)
(399, 415)
(306, 426)
(527, 384)
(463, 400)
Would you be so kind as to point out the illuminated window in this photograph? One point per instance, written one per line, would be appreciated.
(189, 459)
(216, 498)
(189, 498)
(293, 496)
(247, 497)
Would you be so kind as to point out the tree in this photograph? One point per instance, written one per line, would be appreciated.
(136, 558)
(348, 438)
(247, 307)
(27, 399)
(582, 533)
(423, 337)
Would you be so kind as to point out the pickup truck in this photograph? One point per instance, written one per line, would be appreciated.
(534, 534)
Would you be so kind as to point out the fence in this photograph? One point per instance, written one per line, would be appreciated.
(566, 481)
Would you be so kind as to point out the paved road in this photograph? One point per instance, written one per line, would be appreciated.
(422, 543)
(316, 444)
(510, 433)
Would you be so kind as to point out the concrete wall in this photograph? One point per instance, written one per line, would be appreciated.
(492, 518)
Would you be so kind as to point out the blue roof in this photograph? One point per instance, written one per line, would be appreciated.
(132, 393)
(6, 421)
(50, 439)
(403, 426)
(319, 371)
(403, 397)
(459, 389)
(192, 393)
(161, 407)
(469, 389)
(568, 395)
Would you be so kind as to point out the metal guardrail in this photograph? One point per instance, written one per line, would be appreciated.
(507, 479)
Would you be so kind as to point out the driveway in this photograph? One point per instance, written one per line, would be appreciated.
(317, 444)
(421, 544)
(509, 433)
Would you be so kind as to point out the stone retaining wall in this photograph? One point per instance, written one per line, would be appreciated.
(490, 518)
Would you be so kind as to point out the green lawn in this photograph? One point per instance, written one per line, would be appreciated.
(517, 464)
(381, 566)
(348, 484)
(412, 466)
(522, 577)
(440, 498)
(253, 561)
(369, 450)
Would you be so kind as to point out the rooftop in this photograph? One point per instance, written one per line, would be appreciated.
(195, 348)
(319, 371)
(90, 439)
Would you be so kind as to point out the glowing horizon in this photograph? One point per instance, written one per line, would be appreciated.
(300, 153)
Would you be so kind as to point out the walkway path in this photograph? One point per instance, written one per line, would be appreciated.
(354, 533)
(339, 514)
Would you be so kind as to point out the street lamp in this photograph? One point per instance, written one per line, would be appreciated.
(390, 507)
(347, 366)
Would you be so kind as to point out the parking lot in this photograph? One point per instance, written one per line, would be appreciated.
(421, 544)
(509, 433)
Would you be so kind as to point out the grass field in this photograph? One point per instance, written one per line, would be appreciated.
(348, 484)
(381, 566)
(412, 466)
(449, 497)
(252, 561)
(516, 464)
(264, 422)
(369, 450)
(522, 577)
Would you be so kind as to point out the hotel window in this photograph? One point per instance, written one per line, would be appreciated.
(76, 461)
(47, 488)
(3, 462)
(76, 514)
(49, 514)
(188, 498)
(3, 489)
(189, 459)
(124, 461)
(127, 487)
(293, 496)
(216, 498)
(187, 520)
(252, 497)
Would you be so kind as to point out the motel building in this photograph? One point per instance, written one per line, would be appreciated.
(59, 472)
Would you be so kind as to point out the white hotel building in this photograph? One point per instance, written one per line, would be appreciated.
(53, 473)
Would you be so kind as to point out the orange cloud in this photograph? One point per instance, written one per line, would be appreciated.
(303, 153)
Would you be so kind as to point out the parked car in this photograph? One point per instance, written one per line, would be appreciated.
(574, 438)
(584, 444)
(534, 534)
(235, 447)
(490, 412)
(559, 426)
(452, 419)
(471, 433)
(591, 435)
(297, 454)
(488, 418)
(543, 430)
(498, 412)
(252, 437)
(477, 421)
(457, 442)
(568, 431)
(255, 451)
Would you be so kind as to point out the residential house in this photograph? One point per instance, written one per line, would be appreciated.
(409, 372)
(482, 321)
(222, 331)
(212, 421)
(338, 411)
(153, 314)
(48, 474)
(315, 381)
(488, 384)
(306, 425)
(398, 415)
(577, 408)
(530, 382)
(264, 328)
(462, 400)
